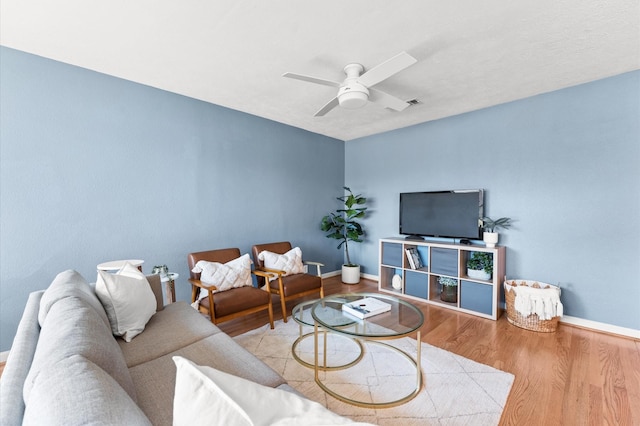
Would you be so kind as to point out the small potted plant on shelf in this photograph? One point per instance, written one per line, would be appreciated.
(342, 226)
(480, 265)
(163, 270)
(449, 291)
(491, 226)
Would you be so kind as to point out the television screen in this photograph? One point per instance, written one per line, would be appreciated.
(449, 214)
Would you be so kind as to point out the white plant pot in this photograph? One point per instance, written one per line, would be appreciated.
(478, 274)
(350, 274)
(490, 238)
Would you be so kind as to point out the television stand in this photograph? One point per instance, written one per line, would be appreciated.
(443, 262)
(414, 238)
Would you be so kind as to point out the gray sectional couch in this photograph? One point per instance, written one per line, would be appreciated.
(66, 367)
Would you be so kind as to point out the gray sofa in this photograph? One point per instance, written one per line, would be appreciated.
(66, 367)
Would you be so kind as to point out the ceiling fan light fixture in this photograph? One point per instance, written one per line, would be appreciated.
(353, 96)
(357, 89)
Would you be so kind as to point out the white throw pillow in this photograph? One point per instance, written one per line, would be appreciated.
(290, 262)
(128, 300)
(233, 274)
(204, 394)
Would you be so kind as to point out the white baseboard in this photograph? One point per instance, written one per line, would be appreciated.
(3, 356)
(601, 326)
(578, 322)
(331, 274)
(369, 277)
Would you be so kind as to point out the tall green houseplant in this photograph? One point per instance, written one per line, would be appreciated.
(342, 224)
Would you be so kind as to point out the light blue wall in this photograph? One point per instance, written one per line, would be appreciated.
(94, 168)
(564, 165)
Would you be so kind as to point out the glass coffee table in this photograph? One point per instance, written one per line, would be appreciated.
(301, 314)
(402, 320)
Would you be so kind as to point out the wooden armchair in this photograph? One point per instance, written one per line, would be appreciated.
(288, 287)
(229, 304)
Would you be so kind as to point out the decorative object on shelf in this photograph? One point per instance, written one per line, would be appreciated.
(480, 265)
(449, 291)
(396, 282)
(533, 305)
(491, 226)
(342, 225)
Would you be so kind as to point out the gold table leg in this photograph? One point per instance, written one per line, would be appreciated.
(386, 404)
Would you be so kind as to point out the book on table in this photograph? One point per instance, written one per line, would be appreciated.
(366, 307)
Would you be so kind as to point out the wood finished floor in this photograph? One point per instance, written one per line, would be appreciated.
(571, 377)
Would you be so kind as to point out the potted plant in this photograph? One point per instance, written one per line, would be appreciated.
(163, 270)
(449, 291)
(491, 226)
(342, 226)
(480, 265)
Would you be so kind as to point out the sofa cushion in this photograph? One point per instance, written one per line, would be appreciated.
(219, 351)
(128, 300)
(176, 326)
(70, 284)
(155, 282)
(18, 362)
(73, 327)
(204, 393)
(75, 391)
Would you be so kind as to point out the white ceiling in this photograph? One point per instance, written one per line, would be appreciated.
(471, 54)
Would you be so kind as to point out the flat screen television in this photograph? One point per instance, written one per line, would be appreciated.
(446, 214)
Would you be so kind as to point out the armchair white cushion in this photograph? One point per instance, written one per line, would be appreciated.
(290, 262)
(225, 276)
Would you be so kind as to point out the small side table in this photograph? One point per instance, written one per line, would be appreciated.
(170, 286)
(115, 265)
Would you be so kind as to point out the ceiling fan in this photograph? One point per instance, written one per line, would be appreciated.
(357, 88)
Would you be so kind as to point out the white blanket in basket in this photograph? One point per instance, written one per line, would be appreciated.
(543, 302)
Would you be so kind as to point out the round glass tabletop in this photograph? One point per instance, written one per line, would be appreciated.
(301, 313)
(402, 319)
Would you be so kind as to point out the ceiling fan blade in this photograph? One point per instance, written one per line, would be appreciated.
(328, 107)
(386, 69)
(311, 79)
(387, 100)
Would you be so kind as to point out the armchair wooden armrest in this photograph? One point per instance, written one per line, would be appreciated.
(278, 272)
(317, 265)
(263, 274)
(197, 284)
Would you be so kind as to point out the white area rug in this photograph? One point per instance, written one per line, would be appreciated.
(456, 390)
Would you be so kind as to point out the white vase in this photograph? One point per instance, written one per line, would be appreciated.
(351, 274)
(490, 238)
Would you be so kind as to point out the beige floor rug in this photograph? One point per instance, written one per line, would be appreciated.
(456, 390)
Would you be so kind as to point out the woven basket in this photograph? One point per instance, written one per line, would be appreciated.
(531, 322)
